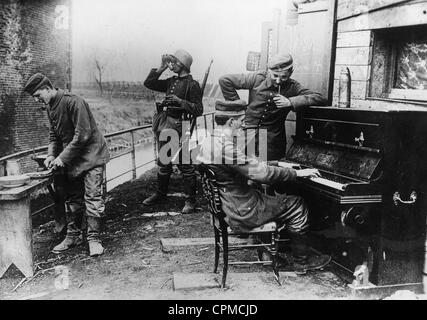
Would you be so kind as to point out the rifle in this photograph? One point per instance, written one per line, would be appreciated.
(193, 120)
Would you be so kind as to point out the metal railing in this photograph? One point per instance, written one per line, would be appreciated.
(130, 148)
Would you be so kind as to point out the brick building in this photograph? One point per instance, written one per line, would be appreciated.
(35, 36)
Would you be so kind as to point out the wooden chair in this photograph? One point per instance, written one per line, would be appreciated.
(222, 230)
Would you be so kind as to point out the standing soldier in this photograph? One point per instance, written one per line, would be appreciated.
(77, 146)
(272, 95)
(183, 100)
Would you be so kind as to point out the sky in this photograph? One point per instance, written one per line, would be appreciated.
(129, 36)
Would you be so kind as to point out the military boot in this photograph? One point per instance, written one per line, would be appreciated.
(303, 259)
(161, 192)
(93, 236)
(190, 189)
(72, 239)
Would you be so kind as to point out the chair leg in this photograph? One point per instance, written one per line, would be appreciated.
(217, 248)
(274, 252)
(225, 256)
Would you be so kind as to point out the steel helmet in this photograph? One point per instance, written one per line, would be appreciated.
(184, 57)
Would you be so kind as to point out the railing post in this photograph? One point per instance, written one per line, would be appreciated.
(104, 182)
(206, 125)
(133, 155)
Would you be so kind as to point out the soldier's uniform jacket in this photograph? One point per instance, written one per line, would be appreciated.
(74, 135)
(245, 206)
(262, 111)
(183, 87)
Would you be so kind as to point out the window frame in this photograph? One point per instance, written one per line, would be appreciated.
(390, 68)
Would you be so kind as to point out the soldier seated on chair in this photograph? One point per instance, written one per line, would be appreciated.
(245, 206)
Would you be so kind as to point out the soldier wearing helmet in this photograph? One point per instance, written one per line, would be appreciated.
(182, 102)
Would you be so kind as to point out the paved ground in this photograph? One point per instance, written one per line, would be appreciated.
(135, 266)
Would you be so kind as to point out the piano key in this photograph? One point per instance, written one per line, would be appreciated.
(329, 183)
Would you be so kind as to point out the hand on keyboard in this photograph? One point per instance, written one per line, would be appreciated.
(308, 173)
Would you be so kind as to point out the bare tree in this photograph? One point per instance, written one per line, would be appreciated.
(102, 66)
(99, 72)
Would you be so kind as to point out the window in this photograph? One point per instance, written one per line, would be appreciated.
(399, 64)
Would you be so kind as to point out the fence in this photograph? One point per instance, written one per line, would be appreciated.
(137, 90)
(202, 121)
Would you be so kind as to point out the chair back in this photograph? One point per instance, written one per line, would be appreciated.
(211, 191)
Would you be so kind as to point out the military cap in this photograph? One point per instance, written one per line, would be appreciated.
(230, 108)
(280, 62)
(35, 82)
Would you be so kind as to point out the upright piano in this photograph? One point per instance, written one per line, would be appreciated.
(369, 206)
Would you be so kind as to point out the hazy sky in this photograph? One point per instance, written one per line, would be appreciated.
(132, 34)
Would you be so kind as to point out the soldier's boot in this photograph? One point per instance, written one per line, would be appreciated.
(303, 260)
(190, 188)
(72, 239)
(93, 236)
(161, 192)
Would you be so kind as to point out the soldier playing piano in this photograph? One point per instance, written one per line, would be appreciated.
(247, 207)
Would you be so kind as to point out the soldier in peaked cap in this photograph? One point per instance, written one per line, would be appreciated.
(183, 100)
(77, 147)
(272, 95)
(245, 206)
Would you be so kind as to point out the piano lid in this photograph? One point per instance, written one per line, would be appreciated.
(357, 164)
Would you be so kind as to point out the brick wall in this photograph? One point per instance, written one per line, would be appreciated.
(33, 38)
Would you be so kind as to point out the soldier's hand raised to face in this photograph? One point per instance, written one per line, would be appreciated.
(164, 63)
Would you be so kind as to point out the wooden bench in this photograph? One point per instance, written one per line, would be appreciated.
(16, 226)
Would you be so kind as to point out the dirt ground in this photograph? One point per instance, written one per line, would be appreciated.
(134, 265)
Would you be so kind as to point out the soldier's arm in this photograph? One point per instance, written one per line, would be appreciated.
(55, 145)
(256, 170)
(263, 173)
(230, 83)
(304, 97)
(79, 111)
(153, 83)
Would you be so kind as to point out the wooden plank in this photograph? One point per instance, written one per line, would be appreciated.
(311, 45)
(354, 39)
(383, 105)
(420, 95)
(348, 8)
(399, 16)
(25, 190)
(186, 242)
(316, 6)
(358, 73)
(15, 236)
(353, 56)
(358, 89)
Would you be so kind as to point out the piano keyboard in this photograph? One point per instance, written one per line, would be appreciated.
(328, 183)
